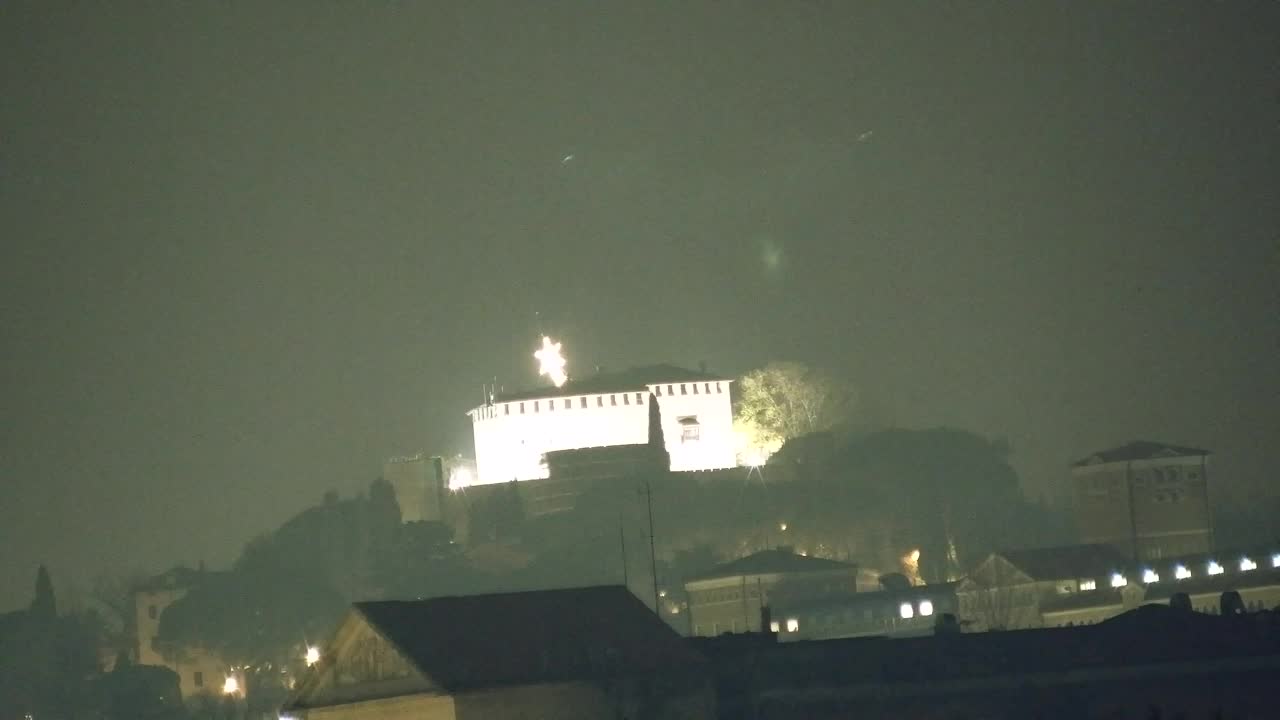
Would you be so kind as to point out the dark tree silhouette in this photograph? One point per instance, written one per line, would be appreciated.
(44, 607)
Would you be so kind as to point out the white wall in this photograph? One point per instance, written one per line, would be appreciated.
(510, 444)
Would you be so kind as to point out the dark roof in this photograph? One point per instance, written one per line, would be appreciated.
(1070, 561)
(516, 638)
(1140, 450)
(767, 562)
(636, 379)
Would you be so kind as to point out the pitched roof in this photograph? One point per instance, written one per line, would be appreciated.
(769, 562)
(1070, 561)
(517, 638)
(636, 379)
(1140, 450)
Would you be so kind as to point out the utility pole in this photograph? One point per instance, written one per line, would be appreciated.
(653, 555)
(622, 543)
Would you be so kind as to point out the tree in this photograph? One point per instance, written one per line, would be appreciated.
(786, 400)
(44, 607)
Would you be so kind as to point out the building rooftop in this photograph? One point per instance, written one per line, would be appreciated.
(637, 379)
(770, 562)
(515, 638)
(1069, 561)
(1140, 450)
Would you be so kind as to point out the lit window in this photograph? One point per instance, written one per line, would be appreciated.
(1118, 580)
(1275, 560)
(793, 625)
(1246, 565)
(775, 627)
(1181, 572)
(1215, 568)
(1089, 584)
(926, 608)
(906, 612)
(1150, 576)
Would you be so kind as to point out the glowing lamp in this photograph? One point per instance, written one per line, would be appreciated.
(1246, 564)
(550, 362)
(1118, 580)
(230, 686)
(1150, 576)
(1215, 568)
(926, 608)
(1181, 572)
(906, 612)
(313, 656)
(460, 478)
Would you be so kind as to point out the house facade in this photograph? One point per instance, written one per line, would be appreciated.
(1149, 500)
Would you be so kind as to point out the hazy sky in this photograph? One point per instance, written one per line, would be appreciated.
(251, 249)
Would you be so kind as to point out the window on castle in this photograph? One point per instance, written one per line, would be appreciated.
(582, 401)
(197, 679)
(551, 405)
(683, 390)
(506, 409)
(626, 399)
(535, 406)
(695, 388)
(670, 391)
(613, 400)
(152, 612)
(707, 388)
(718, 388)
(599, 401)
(521, 408)
(568, 403)
(639, 398)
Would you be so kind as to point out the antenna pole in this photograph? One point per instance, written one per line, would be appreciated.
(622, 544)
(653, 555)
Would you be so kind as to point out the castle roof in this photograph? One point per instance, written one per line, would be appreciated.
(1140, 450)
(772, 562)
(636, 379)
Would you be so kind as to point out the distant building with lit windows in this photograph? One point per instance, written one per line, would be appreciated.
(729, 597)
(201, 671)
(515, 432)
(1148, 500)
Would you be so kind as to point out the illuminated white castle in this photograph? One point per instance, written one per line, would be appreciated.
(514, 432)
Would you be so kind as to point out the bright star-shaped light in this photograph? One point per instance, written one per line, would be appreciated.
(550, 362)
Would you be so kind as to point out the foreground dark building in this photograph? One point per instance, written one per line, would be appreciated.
(1152, 662)
(580, 653)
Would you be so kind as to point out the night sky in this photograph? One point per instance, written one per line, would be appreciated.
(252, 249)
